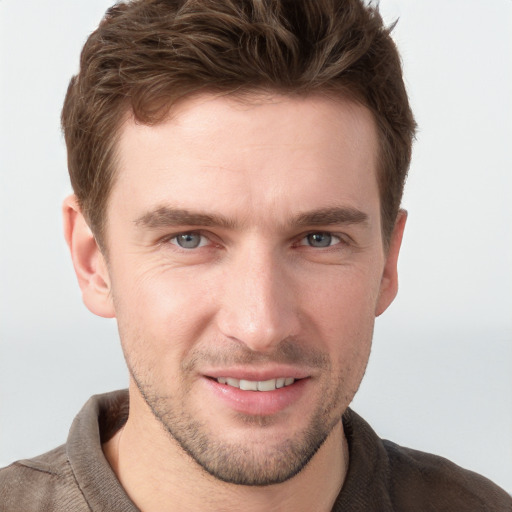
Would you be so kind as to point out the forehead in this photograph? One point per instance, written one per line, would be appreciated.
(263, 154)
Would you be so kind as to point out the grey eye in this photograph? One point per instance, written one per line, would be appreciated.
(189, 240)
(319, 239)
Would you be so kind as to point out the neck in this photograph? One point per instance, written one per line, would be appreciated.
(159, 476)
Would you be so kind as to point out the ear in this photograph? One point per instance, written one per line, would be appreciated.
(389, 282)
(90, 265)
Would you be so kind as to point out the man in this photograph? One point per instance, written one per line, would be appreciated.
(238, 169)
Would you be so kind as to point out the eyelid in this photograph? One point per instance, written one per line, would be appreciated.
(168, 238)
(342, 238)
(203, 240)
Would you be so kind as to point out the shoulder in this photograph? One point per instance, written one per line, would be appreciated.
(384, 476)
(44, 483)
(418, 477)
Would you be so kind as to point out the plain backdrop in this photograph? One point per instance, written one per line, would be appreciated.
(440, 374)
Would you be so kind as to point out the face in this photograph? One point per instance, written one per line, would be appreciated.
(246, 267)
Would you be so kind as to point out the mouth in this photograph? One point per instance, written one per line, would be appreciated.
(256, 385)
(257, 395)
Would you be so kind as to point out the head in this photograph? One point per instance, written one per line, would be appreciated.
(147, 55)
(240, 167)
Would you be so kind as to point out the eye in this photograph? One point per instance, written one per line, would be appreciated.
(320, 239)
(190, 240)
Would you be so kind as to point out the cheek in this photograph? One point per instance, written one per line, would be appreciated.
(344, 317)
(343, 301)
(160, 312)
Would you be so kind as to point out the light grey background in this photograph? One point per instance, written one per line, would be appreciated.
(440, 375)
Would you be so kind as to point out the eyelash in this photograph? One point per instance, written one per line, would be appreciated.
(341, 240)
(189, 233)
(322, 233)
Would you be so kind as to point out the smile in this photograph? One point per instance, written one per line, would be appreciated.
(259, 385)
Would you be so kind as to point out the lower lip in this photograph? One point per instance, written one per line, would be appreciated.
(258, 403)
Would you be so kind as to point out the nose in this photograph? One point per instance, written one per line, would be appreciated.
(259, 307)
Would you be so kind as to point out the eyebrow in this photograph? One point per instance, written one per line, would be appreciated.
(331, 216)
(167, 217)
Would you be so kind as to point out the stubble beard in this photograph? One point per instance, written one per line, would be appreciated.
(247, 463)
(242, 464)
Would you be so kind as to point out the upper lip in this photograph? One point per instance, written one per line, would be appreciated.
(257, 374)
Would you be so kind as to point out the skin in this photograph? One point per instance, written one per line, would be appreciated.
(281, 196)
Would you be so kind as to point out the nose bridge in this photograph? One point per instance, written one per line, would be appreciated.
(257, 307)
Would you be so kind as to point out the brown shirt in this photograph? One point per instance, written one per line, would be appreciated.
(382, 476)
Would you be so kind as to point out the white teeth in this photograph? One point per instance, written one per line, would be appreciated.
(267, 385)
(280, 382)
(248, 385)
(260, 385)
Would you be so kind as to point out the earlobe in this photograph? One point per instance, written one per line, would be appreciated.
(88, 260)
(389, 281)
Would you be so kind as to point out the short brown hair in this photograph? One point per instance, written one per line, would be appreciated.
(148, 54)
